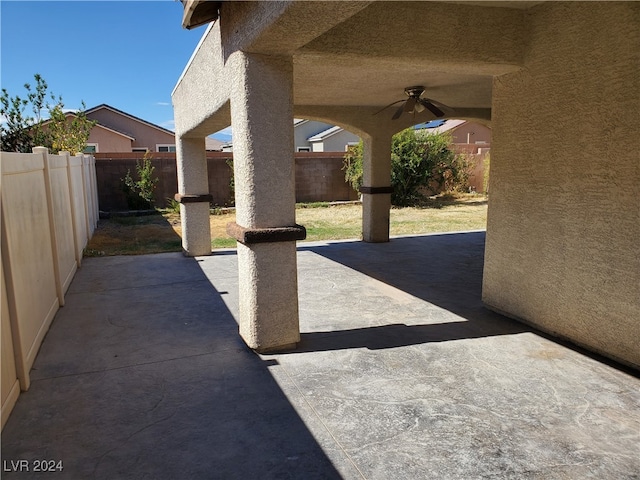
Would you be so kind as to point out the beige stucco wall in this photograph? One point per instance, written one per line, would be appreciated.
(471, 132)
(109, 141)
(562, 248)
(144, 135)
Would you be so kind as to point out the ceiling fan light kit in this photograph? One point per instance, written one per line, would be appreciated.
(416, 103)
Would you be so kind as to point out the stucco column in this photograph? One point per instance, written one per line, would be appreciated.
(193, 195)
(376, 188)
(262, 120)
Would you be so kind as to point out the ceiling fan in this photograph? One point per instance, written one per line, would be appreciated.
(415, 103)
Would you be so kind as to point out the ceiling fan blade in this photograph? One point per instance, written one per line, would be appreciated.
(390, 105)
(441, 106)
(398, 112)
(410, 105)
(432, 108)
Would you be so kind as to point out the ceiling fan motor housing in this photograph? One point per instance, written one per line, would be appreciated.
(414, 92)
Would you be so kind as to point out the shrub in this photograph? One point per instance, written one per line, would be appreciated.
(139, 193)
(352, 166)
(487, 167)
(419, 160)
(232, 183)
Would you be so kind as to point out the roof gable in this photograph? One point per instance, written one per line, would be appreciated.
(97, 125)
(325, 134)
(104, 106)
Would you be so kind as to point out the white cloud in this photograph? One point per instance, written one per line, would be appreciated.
(163, 104)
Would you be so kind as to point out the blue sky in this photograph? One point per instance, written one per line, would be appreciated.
(127, 54)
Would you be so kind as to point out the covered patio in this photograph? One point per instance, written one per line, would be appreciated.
(556, 80)
(400, 373)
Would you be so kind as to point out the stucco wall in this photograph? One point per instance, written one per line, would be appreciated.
(471, 132)
(564, 210)
(109, 141)
(145, 135)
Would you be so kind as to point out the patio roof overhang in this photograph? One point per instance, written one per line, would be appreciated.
(353, 58)
(198, 12)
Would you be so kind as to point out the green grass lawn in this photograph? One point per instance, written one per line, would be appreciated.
(161, 233)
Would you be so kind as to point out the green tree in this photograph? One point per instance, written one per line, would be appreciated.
(139, 192)
(21, 131)
(419, 160)
(15, 127)
(68, 134)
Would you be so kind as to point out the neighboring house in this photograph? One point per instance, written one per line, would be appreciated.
(475, 136)
(314, 136)
(118, 131)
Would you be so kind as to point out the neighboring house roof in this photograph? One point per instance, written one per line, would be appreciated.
(211, 144)
(440, 126)
(99, 125)
(325, 134)
(133, 117)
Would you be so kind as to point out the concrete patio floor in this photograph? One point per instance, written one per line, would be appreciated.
(401, 374)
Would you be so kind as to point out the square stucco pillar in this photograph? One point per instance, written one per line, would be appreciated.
(264, 169)
(193, 195)
(376, 188)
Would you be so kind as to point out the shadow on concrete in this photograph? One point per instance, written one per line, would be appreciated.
(143, 375)
(400, 335)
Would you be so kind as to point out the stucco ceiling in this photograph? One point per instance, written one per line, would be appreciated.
(452, 50)
(364, 54)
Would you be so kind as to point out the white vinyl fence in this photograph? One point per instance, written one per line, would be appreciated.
(48, 212)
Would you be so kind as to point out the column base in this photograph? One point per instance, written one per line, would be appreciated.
(375, 217)
(196, 230)
(268, 296)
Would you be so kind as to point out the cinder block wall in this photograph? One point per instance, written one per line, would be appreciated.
(563, 230)
(319, 178)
